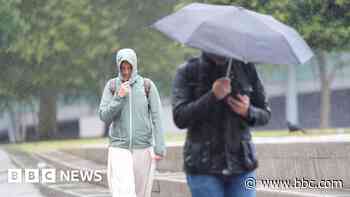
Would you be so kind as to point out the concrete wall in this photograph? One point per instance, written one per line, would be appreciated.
(327, 160)
(279, 158)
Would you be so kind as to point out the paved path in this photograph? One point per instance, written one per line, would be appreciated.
(58, 189)
(14, 189)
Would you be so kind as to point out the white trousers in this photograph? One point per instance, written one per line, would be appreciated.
(130, 174)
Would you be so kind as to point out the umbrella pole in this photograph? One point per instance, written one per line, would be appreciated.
(228, 71)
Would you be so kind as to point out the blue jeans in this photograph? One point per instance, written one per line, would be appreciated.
(218, 186)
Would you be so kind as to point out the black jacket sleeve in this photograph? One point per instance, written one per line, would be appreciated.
(187, 110)
(259, 112)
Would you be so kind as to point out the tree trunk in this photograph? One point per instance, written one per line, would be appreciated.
(325, 105)
(12, 128)
(16, 125)
(325, 92)
(47, 114)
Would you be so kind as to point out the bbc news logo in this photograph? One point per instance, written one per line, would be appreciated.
(51, 175)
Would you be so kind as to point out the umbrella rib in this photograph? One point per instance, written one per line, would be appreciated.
(193, 33)
(204, 21)
(290, 48)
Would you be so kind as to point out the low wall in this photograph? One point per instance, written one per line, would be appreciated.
(279, 158)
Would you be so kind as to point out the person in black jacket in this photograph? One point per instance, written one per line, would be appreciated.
(217, 112)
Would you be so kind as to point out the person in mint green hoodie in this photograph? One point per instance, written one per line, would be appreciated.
(136, 138)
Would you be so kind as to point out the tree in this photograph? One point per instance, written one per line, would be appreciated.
(325, 27)
(67, 48)
(11, 24)
(48, 48)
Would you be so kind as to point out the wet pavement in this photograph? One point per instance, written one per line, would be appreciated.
(14, 189)
(57, 189)
(167, 182)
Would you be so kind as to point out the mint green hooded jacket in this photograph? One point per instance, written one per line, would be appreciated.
(135, 119)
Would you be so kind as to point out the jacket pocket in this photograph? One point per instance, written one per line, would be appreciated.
(143, 137)
(118, 132)
(198, 155)
(250, 161)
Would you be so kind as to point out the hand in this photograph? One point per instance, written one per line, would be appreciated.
(221, 88)
(239, 106)
(157, 157)
(124, 89)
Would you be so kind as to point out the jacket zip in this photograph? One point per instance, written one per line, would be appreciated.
(130, 118)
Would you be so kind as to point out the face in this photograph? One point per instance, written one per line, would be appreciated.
(126, 70)
(219, 60)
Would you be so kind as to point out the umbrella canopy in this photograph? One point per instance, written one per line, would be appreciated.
(237, 33)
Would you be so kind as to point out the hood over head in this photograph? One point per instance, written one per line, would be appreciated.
(128, 55)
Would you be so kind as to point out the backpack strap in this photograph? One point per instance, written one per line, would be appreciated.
(112, 86)
(147, 86)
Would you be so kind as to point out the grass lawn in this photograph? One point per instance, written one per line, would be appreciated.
(43, 146)
(170, 137)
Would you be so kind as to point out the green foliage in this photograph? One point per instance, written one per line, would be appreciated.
(11, 22)
(69, 46)
(325, 25)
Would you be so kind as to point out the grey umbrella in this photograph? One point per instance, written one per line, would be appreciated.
(237, 33)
